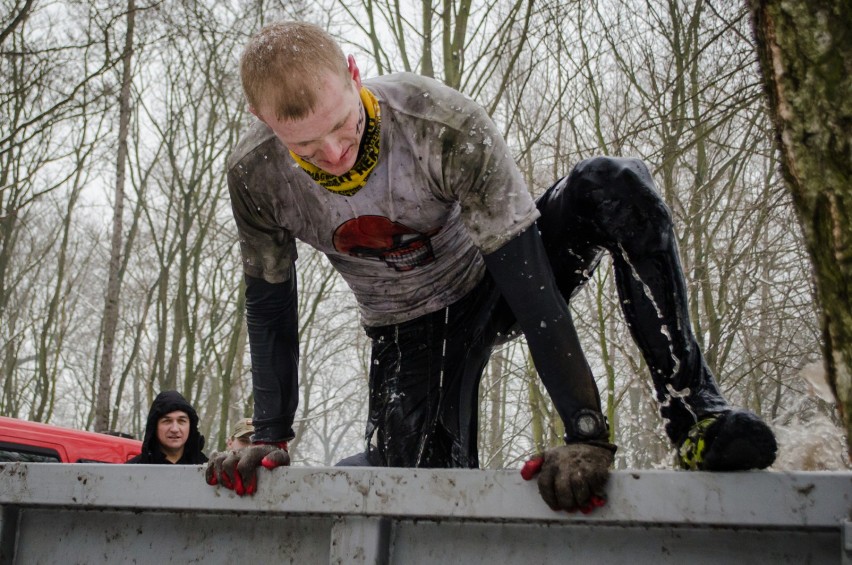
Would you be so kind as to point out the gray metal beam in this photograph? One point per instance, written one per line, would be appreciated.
(751, 498)
(168, 514)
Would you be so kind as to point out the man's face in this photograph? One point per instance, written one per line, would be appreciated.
(329, 137)
(238, 443)
(173, 430)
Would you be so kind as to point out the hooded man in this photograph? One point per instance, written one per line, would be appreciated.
(171, 433)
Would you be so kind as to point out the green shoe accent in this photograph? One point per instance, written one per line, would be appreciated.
(691, 452)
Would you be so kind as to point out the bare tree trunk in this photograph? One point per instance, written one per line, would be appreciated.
(610, 405)
(230, 367)
(427, 67)
(111, 307)
(495, 407)
(538, 417)
(806, 58)
(455, 30)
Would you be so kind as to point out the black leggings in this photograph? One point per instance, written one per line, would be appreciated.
(425, 373)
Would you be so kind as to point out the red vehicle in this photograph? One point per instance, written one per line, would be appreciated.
(32, 442)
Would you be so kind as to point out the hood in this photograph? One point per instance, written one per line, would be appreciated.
(165, 402)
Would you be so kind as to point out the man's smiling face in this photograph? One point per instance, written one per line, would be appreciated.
(173, 431)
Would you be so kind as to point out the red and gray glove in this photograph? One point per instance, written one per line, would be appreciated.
(237, 470)
(572, 477)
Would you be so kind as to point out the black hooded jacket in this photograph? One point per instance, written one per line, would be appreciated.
(166, 402)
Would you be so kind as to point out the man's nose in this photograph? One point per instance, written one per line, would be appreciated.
(333, 150)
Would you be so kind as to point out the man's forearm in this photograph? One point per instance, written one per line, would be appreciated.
(273, 331)
(522, 273)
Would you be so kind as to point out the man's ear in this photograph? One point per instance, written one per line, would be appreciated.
(256, 113)
(354, 72)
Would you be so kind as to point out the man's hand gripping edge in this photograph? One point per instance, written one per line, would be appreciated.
(237, 470)
(572, 477)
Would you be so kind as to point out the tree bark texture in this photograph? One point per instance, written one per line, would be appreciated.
(805, 51)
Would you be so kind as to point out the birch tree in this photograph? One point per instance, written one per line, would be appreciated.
(805, 55)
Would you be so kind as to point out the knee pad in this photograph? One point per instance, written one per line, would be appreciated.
(620, 196)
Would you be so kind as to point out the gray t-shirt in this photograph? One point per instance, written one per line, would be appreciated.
(444, 190)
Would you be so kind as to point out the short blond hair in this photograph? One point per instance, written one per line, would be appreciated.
(282, 65)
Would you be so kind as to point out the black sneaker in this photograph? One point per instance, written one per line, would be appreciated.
(733, 441)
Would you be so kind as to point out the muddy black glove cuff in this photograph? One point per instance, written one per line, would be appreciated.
(604, 444)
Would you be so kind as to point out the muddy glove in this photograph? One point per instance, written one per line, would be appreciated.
(572, 477)
(237, 470)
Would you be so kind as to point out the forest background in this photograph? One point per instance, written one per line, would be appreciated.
(119, 266)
